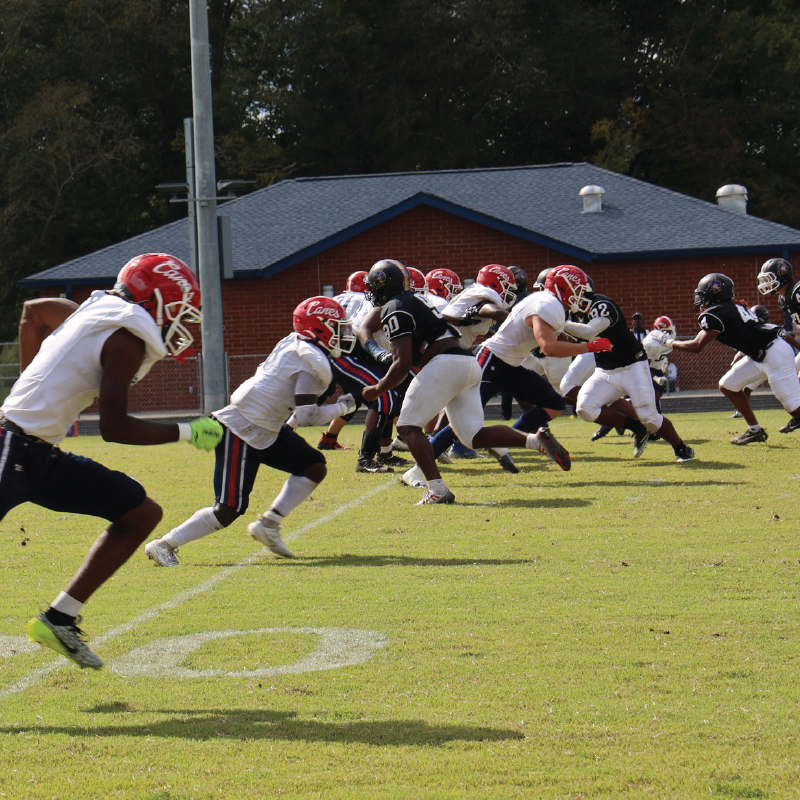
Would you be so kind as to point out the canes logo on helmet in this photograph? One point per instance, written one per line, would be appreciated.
(572, 286)
(774, 274)
(168, 290)
(357, 282)
(323, 321)
(417, 279)
(501, 279)
(713, 289)
(443, 283)
(664, 323)
(386, 279)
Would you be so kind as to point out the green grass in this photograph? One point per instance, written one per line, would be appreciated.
(625, 630)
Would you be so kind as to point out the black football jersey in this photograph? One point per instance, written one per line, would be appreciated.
(790, 301)
(627, 348)
(738, 327)
(412, 314)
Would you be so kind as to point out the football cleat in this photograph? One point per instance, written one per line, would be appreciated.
(549, 445)
(392, 460)
(458, 450)
(504, 459)
(430, 498)
(414, 478)
(444, 458)
(684, 453)
(399, 444)
(792, 425)
(749, 436)
(602, 431)
(66, 640)
(269, 534)
(640, 441)
(372, 465)
(162, 554)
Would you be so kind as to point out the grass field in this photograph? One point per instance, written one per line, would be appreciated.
(627, 629)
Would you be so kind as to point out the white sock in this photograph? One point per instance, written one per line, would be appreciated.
(438, 487)
(67, 605)
(200, 524)
(500, 451)
(755, 427)
(387, 448)
(294, 491)
(531, 442)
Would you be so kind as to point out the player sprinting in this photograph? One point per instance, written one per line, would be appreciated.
(72, 355)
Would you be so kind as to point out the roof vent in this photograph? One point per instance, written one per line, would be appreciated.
(733, 197)
(592, 199)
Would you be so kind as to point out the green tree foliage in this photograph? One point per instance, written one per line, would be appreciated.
(688, 94)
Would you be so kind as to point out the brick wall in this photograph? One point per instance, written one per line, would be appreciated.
(258, 312)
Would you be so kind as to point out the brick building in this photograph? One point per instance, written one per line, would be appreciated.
(643, 245)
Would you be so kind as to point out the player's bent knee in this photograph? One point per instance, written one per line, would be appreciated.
(226, 515)
(586, 413)
(139, 521)
(316, 472)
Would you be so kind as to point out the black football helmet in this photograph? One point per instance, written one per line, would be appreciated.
(762, 312)
(521, 277)
(538, 285)
(713, 289)
(774, 274)
(386, 279)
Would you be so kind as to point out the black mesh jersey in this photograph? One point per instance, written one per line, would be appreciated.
(627, 348)
(739, 328)
(790, 302)
(412, 314)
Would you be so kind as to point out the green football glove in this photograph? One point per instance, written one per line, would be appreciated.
(206, 433)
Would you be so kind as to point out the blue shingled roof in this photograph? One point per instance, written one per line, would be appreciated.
(280, 225)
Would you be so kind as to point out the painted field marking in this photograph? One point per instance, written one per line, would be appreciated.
(33, 677)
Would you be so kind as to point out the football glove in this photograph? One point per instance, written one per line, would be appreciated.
(599, 346)
(206, 433)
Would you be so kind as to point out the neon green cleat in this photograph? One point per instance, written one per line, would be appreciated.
(66, 640)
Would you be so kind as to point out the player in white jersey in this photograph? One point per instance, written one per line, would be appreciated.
(72, 355)
(292, 379)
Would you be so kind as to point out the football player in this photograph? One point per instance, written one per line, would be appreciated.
(620, 373)
(351, 300)
(777, 274)
(296, 373)
(99, 349)
(448, 377)
(766, 353)
(441, 286)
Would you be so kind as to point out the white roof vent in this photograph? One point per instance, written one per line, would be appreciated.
(592, 199)
(733, 197)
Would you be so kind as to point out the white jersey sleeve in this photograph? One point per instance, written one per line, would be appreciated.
(461, 303)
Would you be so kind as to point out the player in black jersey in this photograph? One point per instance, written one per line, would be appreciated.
(775, 274)
(767, 355)
(448, 377)
(622, 371)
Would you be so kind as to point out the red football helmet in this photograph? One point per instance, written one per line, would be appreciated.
(357, 282)
(499, 278)
(323, 321)
(571, 285)
(417, 279)
(665, 324)
(443, 283)
(168, 290)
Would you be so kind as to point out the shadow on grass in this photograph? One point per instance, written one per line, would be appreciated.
(351, 560)
(208, 725)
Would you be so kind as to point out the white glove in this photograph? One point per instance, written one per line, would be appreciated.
(663, 338)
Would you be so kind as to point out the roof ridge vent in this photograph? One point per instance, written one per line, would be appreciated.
(733, 197)
(592, 199)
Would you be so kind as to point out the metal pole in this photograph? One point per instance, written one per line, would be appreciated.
(214, 393)
(188, 135)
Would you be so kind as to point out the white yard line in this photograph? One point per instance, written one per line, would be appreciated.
(32, 678)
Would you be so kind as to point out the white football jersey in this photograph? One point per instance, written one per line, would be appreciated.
(379, 336)
(263, 403)
(458, 306)
(351, 302)
(514, 340)
(64, 377)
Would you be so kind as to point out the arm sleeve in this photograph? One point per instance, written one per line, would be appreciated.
(321, 415)
(587, 330)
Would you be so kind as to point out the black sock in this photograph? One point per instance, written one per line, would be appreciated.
(59, 617)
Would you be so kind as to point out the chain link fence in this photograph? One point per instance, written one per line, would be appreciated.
(9, 367)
